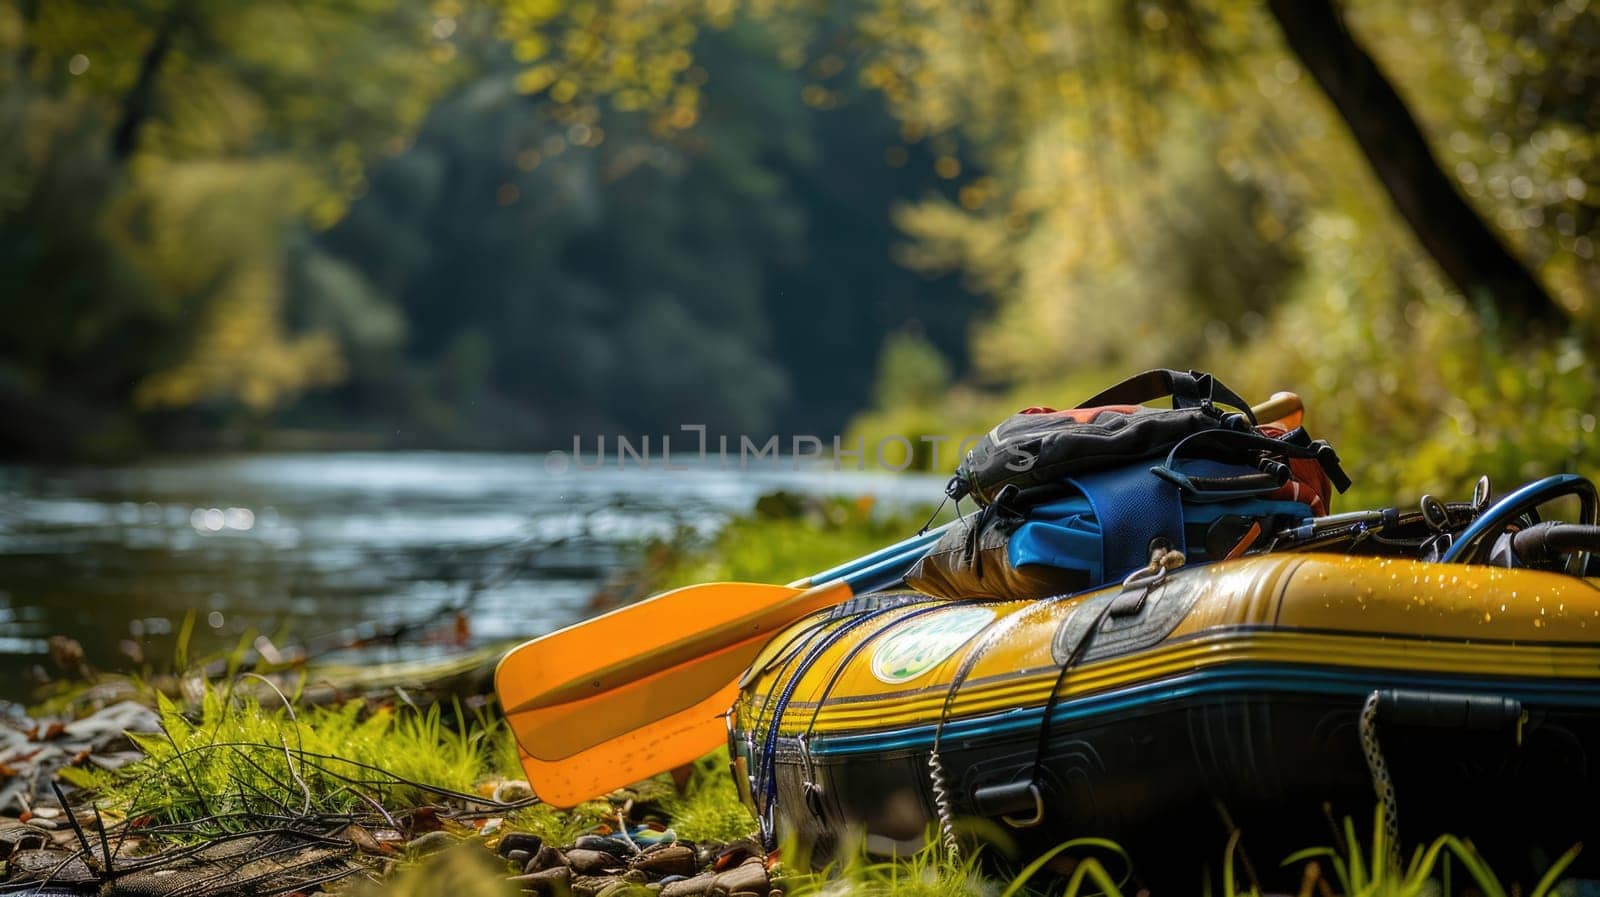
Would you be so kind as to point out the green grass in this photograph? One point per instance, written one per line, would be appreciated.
(228, 760)
(1377, 872)
(709, 809)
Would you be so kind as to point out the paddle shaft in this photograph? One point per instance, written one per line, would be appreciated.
(765, 619)
(921, 541)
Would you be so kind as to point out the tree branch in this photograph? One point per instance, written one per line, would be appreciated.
(138, 104)
(1466, 249)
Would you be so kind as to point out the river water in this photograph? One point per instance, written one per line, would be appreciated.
(306, 545)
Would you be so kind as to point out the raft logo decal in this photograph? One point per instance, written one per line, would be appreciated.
(923, 644)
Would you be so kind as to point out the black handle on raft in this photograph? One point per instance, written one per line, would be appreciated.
(1009, 801)
(1543, 541)
(1448, 710)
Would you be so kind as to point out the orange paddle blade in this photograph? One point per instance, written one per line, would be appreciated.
(640, 690)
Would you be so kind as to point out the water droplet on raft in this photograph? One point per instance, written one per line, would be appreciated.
(1487, 616)
(1538, 623)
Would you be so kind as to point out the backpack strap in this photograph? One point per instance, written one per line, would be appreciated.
(1133, 509)
(1188, 389)
(1249, 447)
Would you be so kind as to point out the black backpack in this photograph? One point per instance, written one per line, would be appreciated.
(1071, 499)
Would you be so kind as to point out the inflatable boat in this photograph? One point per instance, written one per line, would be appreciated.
(1263, 693)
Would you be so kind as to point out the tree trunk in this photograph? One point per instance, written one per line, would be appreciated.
(1469, 252)
(138, 104)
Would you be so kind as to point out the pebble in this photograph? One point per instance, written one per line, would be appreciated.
(547, 858)
(520, 841)
(673, 859)
(616, 888)
(735, 853)
(555, 880)
(431, 842)
(706, 853)
(608, 866)
(590, 885)
(750, 876)
(591, 862)
(689, 887)
(614, 846)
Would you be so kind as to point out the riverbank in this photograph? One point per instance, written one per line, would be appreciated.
(251, 792)
(400, 779)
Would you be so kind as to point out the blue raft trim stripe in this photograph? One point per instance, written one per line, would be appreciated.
(1253, 678)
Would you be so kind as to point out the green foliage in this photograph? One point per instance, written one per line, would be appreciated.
(787, 538)
(1167, 187)
(506, 265)
(1163, 184)
(171, 149)
(625, 215)
(910, 372)
(586, 272)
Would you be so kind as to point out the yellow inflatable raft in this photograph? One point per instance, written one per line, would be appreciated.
(1250, 692)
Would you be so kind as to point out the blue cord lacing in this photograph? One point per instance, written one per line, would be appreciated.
(767, 772)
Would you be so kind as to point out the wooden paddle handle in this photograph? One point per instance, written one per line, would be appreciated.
(1284, 408)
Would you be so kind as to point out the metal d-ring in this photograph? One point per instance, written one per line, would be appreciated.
(1038, 810)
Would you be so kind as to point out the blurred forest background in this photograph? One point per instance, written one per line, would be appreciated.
(498, 223)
